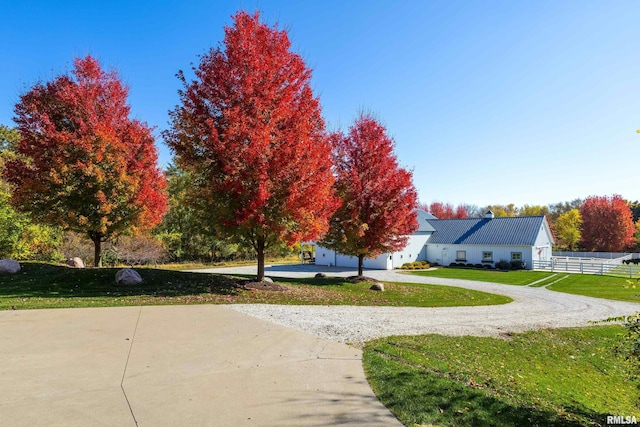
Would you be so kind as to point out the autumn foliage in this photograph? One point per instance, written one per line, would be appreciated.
(81, 162)
(607, 224)
(445, 210)
(378, 197)
(250, 132)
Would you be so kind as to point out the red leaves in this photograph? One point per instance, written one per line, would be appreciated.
(251, 130)
(445, 210)
(378, 197)
(607, 224)
(83, 163)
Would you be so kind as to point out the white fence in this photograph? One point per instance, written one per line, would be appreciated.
(607, 255)
(612, 267)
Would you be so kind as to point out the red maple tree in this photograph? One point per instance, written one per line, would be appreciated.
(378, 197)
(251, 132)
(445, 210)
(607, 224)
(82, 163)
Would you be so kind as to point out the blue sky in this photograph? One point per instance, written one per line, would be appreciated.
(489, 102)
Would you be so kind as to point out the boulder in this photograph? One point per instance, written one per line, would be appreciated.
(320, 276)
(377, 287)
(9, 266)
(268, 279)
(128, 276)
(75, 262)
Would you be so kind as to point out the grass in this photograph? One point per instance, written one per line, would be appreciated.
(609, 287)
(517, 277)
(592, 285)
(626, 271)
(40, 285)
(556, 377)
(232, 263)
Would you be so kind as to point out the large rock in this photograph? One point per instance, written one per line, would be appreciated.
(377, 287)
(75, 262)
(9, 266)
(128, 276)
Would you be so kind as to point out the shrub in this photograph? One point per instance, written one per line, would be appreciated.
(517, 265)
(139, 250)
(407, 266)
(469, 265)
(110, 257)
(453, 264)
(77, 245)
(478, 266)
(503, 265)
(487, 266)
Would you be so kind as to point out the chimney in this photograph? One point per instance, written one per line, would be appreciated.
(489, 215)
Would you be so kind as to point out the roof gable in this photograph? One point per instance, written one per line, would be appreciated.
(423, 220)
(517, 230)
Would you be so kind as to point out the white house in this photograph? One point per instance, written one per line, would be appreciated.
(470, 241)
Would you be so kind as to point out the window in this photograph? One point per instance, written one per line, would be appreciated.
(487, 256)
(461, 255)
(516, 256)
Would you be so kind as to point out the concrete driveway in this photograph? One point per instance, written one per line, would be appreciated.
(208, 365)
(201, 365)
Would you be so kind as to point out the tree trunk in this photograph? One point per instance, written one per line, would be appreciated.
(260, 253)
(97, 249)
(360, 264)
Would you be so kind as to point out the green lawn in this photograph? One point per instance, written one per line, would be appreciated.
(558, 377)
(41, 285)
(592, 285)
(518, 277)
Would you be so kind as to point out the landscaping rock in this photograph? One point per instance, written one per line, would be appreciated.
(267, 279)
(9, 266)
(128, 276)
(377, 287)
(320, 276)
(75, 262)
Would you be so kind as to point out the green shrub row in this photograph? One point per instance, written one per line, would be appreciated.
(500, 265)
(418, 265)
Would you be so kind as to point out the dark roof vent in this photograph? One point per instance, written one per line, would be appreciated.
(489, 215)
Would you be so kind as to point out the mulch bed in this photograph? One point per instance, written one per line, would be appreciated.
(261, 286)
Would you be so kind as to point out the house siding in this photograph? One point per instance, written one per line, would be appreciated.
(446, 254)
(325, 256)
(543, 246)
(415, 250)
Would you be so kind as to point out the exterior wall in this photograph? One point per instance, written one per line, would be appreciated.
(415, 250)
(543, 246)
(325, 256)
(380, 263)
(330, 258)
(446, 254)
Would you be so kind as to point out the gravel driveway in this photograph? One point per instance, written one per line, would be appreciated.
(533, 308)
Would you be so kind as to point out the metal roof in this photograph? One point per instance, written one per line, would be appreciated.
(517, 230)
(423, 220)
